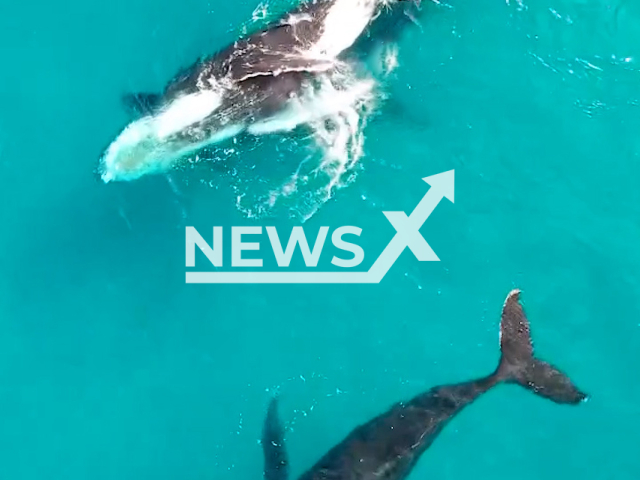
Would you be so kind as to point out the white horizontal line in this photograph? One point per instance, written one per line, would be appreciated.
(281, 277)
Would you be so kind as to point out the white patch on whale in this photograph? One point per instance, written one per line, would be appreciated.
(187, 110)
(344, 23)
(149, 145)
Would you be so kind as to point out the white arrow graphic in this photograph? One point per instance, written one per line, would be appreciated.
(408, 228)
(407, 236)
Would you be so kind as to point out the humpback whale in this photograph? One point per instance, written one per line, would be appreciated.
(389, 446)
(287, 74)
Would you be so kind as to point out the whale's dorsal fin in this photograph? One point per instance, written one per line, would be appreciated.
(276, 463)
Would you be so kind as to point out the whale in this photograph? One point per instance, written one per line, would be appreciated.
(389, 446)
(286, 74)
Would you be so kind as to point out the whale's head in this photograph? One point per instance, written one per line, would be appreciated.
(155, 143)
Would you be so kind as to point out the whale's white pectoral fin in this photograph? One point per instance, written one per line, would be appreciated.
(185, 111)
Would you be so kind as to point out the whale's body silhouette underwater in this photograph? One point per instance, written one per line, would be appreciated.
(389, 446)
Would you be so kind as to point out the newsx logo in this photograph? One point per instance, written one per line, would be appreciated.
(407, 236)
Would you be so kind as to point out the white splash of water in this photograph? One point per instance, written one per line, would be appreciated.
(314, 103)
(335, 111)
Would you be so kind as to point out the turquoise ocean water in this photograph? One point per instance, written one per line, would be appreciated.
(111, 367)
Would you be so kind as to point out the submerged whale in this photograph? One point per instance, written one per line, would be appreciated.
(274, 80)
(389, 446)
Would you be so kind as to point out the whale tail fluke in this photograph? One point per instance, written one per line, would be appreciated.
(518, 364)
(276, 462)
